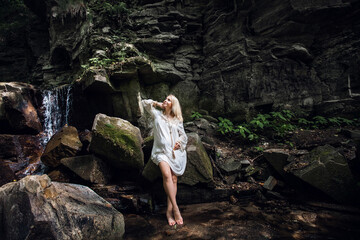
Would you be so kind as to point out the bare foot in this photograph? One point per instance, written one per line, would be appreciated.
(170, 218)
(178, 218)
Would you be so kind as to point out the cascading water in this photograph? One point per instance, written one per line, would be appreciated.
(56, 105)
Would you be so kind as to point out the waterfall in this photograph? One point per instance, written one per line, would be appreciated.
(56, 105)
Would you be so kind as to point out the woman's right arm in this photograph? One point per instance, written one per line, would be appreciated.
(150, 105)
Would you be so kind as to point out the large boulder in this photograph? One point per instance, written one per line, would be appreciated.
(327, 170)
(88, 167)
(117, 142)
(65, 143)
(36, 208)
(198, 167)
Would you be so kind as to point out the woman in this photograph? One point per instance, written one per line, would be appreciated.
(168, 151)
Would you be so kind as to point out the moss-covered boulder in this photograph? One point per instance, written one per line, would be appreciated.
(117, 142)
(65, 143)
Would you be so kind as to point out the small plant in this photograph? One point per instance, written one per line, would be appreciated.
(242, 130)
(260, 121)
(100, 62)
(304, 122)
(289, 143)
(259, 149)
(196, 115)
(278, 116)
(225, 126)
(320, 121)
(346, 121)
(335, 121)
(288, 114)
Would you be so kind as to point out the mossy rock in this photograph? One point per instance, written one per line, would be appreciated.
(117, 142)
(198, 167)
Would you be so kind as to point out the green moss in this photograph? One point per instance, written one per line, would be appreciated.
(118, 137)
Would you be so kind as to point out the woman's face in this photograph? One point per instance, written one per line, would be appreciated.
(167, 103)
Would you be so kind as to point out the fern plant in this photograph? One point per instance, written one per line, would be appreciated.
(320, 121)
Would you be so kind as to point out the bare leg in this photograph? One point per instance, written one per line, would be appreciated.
(170, 189)
(169, 213)
(177, 215)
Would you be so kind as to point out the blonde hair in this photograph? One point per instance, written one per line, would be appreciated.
(176, 108)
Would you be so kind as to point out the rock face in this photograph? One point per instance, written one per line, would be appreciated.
(65, 143)
(327, 170)
(230, 56)
(36, 208)
(117, 142)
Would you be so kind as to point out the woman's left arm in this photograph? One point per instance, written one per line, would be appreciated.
(182, 136)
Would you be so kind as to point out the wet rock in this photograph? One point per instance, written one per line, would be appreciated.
(327, 170)
(18, 108)
(117, 142)
(65, 143)
(19, 156)
(89, 168)
(6, 173)
(35, 207)
(198, 167)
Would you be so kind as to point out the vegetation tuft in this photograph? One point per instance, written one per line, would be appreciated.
(276, 126)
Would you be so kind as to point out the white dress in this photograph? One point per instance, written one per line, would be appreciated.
(166, 133)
